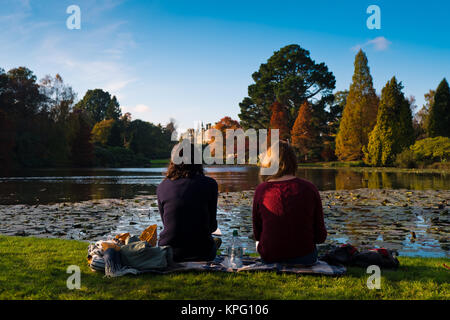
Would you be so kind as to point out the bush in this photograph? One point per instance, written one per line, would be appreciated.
(425, 152)
(117, 157)
(406, 159)
(432, 149)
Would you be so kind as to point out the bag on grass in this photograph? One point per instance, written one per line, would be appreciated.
(381, 257)
(342, 255)
(348, 255)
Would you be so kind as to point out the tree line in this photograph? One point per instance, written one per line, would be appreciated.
(293, 93)
(42, 125)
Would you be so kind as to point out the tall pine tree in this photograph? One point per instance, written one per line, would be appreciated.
(393, 131)
(439, 116)
(360, 112)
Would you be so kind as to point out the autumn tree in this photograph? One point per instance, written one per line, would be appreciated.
(439, 115)
(305, 139)
(291, 77)
(226, 123)
(393, 131)
(279, 120)
(360, 113)
(223, 125)
(101, 131)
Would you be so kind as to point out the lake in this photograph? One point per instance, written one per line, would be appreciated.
(69, 185)
(364, 207)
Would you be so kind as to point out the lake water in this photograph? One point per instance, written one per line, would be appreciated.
(375, 225)
(53, 185)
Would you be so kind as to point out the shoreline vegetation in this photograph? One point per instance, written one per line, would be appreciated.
(438, 167)
(36, 268)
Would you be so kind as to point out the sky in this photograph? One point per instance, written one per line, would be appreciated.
(193, 60)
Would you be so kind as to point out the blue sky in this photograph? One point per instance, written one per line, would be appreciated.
(193, 60)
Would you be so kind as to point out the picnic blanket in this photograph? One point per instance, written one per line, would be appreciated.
(126, 254)
(255, 264)
(249, 264)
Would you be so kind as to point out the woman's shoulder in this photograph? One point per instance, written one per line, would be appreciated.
(301, 183)
(307, 184)
(207, 180)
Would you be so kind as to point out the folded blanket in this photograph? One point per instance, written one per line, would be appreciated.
(113, 265)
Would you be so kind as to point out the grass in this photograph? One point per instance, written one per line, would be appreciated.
(333, 164)
(35, 268)
(360, 166)
(155, 162)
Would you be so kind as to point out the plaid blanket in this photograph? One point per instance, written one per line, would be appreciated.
(254, 264)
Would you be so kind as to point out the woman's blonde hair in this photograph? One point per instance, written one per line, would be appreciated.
(287, 161)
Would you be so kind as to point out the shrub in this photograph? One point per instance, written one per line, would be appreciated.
(425, 152)
(406, 159)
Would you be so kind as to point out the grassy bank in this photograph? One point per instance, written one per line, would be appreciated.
(360, 166)
(34, 268)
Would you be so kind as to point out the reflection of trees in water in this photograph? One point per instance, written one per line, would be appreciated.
(231, 181)
(426, 181)
(405, 180)
(348, 179)
(377, 180)
(322, 178)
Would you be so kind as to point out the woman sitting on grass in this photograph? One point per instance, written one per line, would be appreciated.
(287, 214)
(187, 201)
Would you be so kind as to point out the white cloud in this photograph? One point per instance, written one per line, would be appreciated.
(379, 44)
(139, 108)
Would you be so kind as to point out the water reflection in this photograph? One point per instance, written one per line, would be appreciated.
(57, 185)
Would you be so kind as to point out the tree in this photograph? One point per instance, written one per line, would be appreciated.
(60, 97)
(113, 110)
(222, 125)
(420, 120)
(393, 131)
(82, 148)
(336, 109)
(279, 120)
(226, 123)
(101, 131)
(305, 139)
(360, 113)
(115, 137)
(439, 115)
(290, 77)
(99, 105)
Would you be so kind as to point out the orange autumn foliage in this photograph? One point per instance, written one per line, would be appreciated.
(304, 136)
(279, 120)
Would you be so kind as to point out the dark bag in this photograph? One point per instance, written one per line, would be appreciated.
(342, 255)
(348, 255)
(381, 257)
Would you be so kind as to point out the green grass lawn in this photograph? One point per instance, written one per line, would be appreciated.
(34, 268)
(161, 162)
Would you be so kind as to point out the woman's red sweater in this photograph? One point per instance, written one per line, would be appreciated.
(287, 219)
